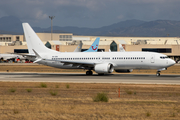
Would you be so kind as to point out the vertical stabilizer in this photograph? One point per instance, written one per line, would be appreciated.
(79, 47)
(94, 46)
(33, 41)
(121, 48)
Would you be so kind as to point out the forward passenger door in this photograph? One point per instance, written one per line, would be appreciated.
(152, 58)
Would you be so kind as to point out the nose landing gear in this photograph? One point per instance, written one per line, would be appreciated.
(159, 70)
(158, 73)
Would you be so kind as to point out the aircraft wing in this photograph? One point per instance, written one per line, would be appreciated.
(70, 62)
(29, 55)
(21, 55)
(74, 63)
(8, 57)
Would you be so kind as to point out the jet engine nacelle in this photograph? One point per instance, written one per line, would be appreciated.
(104, 68)
(124, 70)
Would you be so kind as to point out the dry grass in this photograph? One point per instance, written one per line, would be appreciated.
(34, 68)
(137, 102)
(150, 102)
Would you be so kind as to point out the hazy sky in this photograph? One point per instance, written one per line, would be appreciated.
(89, 13)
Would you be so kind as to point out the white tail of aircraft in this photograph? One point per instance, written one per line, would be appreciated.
(33, 40)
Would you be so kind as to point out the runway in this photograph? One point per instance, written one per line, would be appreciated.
(82, 78)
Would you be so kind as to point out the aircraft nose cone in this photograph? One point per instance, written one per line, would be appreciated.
(172, 62)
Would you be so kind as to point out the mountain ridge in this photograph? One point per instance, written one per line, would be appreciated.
(128, 28)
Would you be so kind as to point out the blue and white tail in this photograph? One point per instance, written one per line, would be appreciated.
(33, 41)
(94, 46)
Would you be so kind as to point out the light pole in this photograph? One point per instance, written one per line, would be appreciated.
(51, 17)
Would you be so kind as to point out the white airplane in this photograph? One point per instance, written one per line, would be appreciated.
(100, 62)
(11, 57)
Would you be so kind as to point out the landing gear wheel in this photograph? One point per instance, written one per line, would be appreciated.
(158, 74)
(89, 72)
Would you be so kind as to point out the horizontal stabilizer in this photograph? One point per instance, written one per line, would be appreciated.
(37, 60)
(38, 56)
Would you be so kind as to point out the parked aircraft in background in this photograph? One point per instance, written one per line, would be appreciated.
(121, 48)
(100, 62)
(79, 47)
(93, 47)
(11, 57)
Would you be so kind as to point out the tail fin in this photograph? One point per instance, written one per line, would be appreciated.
(121, 48)
(33, 41)
(94, 46)
(79, 47)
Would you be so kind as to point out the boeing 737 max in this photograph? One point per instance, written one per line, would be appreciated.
(100, 62)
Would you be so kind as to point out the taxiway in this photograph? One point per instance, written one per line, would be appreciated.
(82, 78)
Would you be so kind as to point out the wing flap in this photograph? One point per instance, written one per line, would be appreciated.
(80, 64)
(29, 55)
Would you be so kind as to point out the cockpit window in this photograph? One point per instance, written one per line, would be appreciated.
(163, 57)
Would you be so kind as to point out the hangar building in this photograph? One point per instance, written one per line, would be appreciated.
(67, 42)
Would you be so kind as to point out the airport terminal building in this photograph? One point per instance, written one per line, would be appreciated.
(67, 42)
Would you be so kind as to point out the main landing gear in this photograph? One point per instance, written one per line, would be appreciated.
(89, 72)
(158, 73)
(100, 74)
